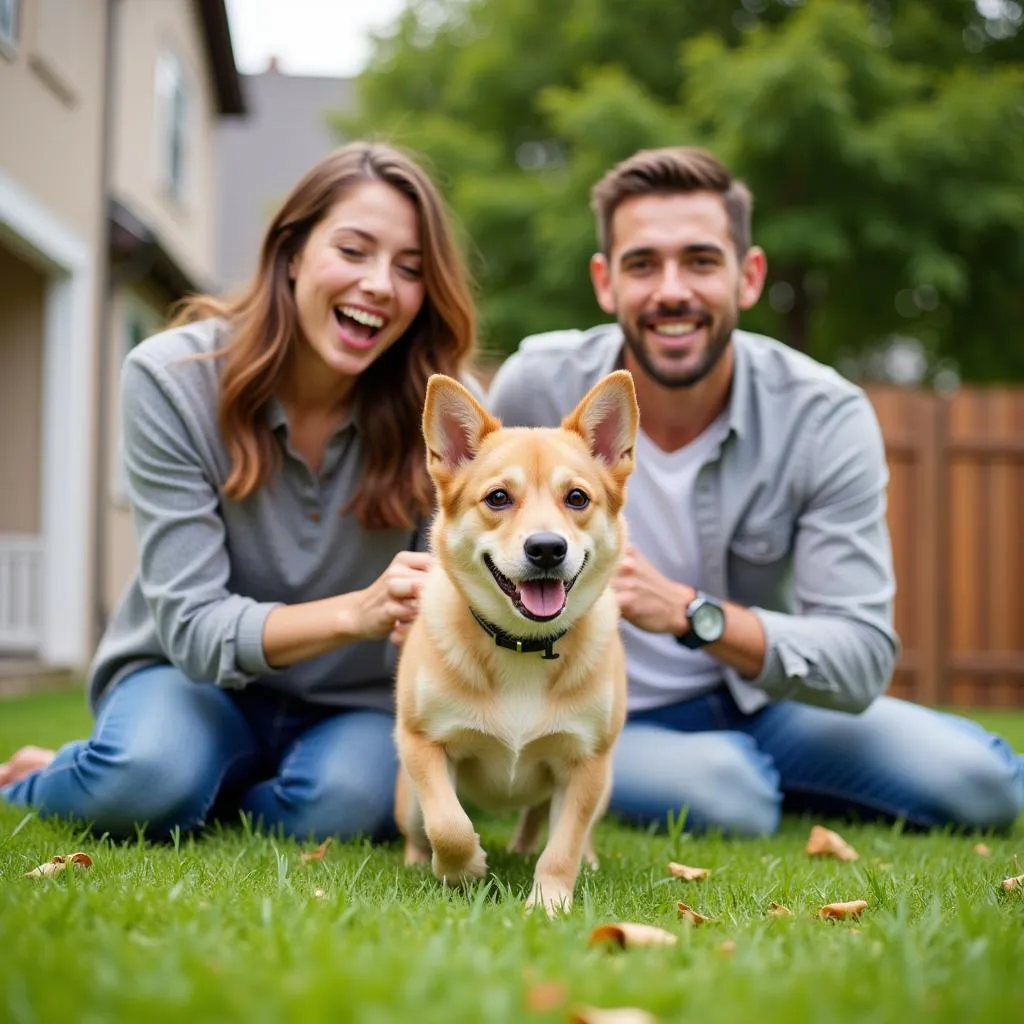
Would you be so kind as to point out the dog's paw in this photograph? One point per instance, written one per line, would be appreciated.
(463, 870)
(555, 897)
(416, 857)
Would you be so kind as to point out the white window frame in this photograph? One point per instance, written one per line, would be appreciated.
(174, 110)
(10, 27)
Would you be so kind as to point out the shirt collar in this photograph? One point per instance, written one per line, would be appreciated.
(277, 418)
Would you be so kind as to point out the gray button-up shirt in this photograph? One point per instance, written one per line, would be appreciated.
(790, 509)
(211, 569)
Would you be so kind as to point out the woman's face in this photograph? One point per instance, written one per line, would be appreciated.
(359, 278)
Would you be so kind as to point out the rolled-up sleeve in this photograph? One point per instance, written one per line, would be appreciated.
(209, 633)
(840, 649)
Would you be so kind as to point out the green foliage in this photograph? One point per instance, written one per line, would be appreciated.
(234, 926)
(883, 140)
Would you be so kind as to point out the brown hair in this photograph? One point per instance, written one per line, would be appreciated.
(663, 172)
(264, 326)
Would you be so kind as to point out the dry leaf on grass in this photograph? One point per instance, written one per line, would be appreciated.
(618, 1015)
(981, 850)
(686, 873)
(840, 911)
(632, 936)
(1009, 884)
(691, 915)
(546, 996)
(823, 842)
(318, 853)
(727, 948)
(778, 910)
(57, 864)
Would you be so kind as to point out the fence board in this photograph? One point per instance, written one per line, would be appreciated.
(955, 511)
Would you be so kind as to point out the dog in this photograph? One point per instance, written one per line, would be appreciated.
(511, 681)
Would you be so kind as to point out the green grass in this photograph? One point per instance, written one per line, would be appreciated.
(231, 926)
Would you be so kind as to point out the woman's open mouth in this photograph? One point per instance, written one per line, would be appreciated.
(541, 598)
(359, 328)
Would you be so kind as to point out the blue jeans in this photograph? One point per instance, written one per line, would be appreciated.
(168, 752)
(736, 772)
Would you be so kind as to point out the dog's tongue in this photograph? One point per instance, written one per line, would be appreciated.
(542, 598)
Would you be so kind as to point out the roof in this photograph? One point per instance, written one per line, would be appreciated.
(217, 35)
(263, 155)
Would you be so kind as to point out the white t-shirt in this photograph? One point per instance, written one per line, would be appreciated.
(659, 511)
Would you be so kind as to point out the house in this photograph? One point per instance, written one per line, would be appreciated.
(261, 157)
(107, 187)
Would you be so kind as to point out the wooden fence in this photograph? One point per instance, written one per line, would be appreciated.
(956, 512)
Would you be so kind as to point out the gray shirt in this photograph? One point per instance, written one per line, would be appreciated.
(790, 508)
(211, 569)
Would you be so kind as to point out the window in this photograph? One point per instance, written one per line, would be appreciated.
(10, 18)
(172, 123)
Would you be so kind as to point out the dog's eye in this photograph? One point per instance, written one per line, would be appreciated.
(577, 499)
(498, 499)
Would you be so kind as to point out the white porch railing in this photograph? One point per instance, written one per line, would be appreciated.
(21, 592)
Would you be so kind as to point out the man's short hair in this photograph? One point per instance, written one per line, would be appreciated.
(667, 171)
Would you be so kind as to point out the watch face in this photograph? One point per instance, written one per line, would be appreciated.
(708, 622)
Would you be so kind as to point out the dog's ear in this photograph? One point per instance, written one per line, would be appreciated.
(608, 418)
(454, 423)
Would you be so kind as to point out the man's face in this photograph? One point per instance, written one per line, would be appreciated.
(674, 282)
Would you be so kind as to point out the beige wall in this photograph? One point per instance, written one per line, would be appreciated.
(22, 289)
(52, 106)
(144, 30)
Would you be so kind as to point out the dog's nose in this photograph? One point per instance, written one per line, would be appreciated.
(545, 550)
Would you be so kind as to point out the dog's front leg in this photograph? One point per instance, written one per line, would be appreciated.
(458, 857)
(573, 810)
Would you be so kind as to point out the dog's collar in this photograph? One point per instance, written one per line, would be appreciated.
(518, 644)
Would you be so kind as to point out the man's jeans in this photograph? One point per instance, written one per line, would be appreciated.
(733, 771)
(169, 752)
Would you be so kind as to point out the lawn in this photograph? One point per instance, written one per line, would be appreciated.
(235, 926)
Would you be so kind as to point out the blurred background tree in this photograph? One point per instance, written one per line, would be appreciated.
(883, 141)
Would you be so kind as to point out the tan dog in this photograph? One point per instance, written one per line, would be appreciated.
(512, 680)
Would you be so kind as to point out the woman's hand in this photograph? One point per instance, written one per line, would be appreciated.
(23, 762)
(388, 606)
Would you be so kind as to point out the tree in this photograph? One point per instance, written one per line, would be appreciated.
(883, 142)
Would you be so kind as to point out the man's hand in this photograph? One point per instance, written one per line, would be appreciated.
(647, 599)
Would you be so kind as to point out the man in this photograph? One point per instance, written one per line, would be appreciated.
(758, 595)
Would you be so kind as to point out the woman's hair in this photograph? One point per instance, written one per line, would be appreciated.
(263, 326)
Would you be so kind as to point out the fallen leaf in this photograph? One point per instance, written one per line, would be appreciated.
(546, 996)
(691, 915)
(57, 864)
(686, 873)
(318, 853)
(727, 948)
(1009, 884)
(982, 850)
(778, 910)
(618, 1015)
(823, 842)
(632, 936)
(839, 911)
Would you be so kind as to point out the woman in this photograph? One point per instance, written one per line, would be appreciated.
(277, 476)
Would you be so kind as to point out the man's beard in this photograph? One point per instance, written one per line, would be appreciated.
(717, 343)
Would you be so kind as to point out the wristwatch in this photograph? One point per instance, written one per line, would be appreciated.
(707, 622)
